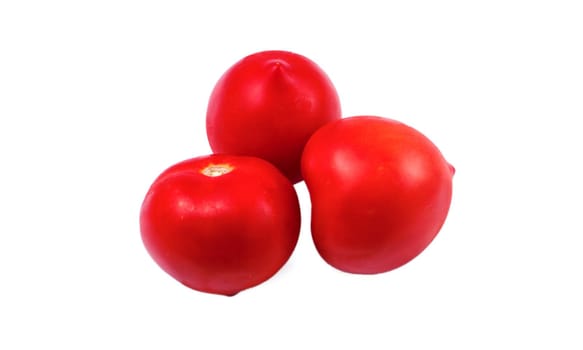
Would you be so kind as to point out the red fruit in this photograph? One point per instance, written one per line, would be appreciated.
(220, 224)
(380, 193)
(268, 105)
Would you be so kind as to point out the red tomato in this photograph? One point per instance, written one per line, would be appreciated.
(221, 224)
(267, 105)
(380, 192)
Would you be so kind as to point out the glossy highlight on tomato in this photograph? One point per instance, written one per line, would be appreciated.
(220, 224)
(267, 105)
(380, 193)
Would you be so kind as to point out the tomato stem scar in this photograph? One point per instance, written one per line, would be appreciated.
(214, 170)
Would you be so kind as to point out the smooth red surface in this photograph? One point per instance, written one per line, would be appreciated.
(380, 192)
(221, 234)
(268, 105)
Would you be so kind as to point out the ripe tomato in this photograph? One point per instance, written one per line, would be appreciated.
(267, 105)
(220, 224)
(380, 192)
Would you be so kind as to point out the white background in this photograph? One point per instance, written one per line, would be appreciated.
(98, 97)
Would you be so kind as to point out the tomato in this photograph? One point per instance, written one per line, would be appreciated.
(380, 193)
(267, 105)
(220, 224)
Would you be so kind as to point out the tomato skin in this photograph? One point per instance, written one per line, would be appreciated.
(224, 233)
(267, 105)
(380, 192)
